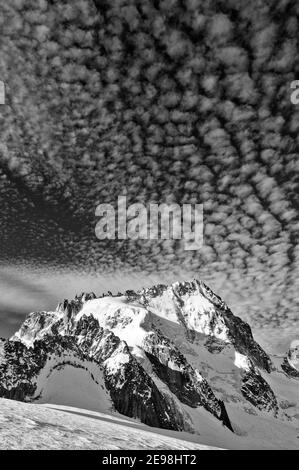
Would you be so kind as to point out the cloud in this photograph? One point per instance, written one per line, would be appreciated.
(164, 102)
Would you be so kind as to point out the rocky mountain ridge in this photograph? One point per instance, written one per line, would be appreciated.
(158, 355)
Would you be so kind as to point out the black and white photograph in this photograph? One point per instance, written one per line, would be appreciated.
(149, 221)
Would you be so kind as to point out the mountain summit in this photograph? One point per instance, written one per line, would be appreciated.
(165, 355)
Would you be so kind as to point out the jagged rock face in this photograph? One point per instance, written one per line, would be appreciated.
(184, 381)
(241, 337)
(35, 326)
(288, 369)
(135, 394)
(20, 366)
(69, 308)
(132, 391)
(16, 362)
(257, 391)
(290, 363)
(162, 352)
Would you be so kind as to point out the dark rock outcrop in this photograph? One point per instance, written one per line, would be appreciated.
(257, 391)
(289, 369)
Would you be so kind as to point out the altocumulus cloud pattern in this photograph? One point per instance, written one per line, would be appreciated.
(162, 101)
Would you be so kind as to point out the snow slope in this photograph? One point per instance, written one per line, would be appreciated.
(24, 426)
(73, 386)
(32, 426)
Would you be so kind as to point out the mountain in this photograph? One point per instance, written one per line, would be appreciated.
(291, 361)
(169, 356)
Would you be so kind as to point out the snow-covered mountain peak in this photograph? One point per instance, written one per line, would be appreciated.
(37, 325)
(291, 360)
(191, 305)
(126, 320)
(160, 354)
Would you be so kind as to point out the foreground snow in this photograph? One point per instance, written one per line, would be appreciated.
(33, 426)
(29, 426)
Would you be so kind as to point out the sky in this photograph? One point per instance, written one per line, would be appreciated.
(164, 102)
